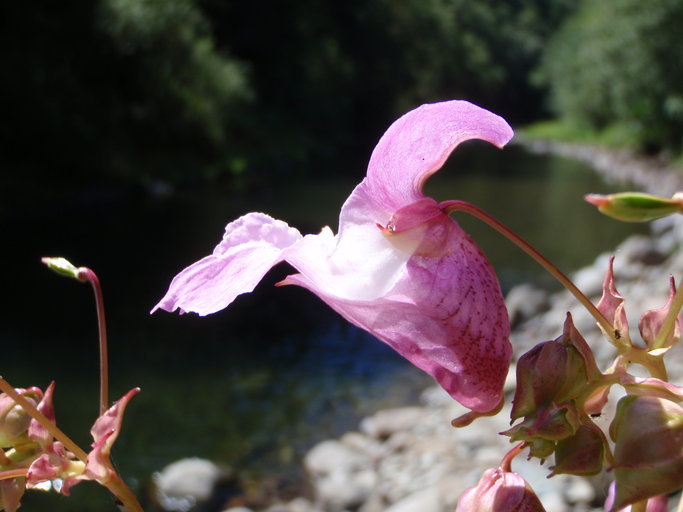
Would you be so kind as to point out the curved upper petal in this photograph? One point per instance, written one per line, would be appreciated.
(416, 145)
(251, 245)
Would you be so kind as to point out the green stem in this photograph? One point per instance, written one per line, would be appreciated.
(40, 418)
(670, 320)
(462, 206)
(118, 488)
(86, 274)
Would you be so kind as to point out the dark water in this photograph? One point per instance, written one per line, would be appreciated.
(255, 385)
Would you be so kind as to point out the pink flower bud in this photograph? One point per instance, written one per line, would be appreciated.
(648, 455)
(500, 491)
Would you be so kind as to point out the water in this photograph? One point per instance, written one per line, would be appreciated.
(257, 384)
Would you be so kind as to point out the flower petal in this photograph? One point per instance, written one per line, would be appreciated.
(416, 145)
(445, 315)
(251, 245)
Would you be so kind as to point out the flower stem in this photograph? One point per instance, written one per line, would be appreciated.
(40, 418)
(462, 206)
(87, 275)
(506, 463)
(123, 493)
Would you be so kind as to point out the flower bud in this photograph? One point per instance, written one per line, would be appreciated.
(648, 455)
(499, 491)
(61, 266)
(635, 206)
(656, 504)
(546, 426)
(14, 421)
(581, 454)
(554, 372)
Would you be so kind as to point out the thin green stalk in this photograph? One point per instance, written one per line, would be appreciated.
(40, 418)
(462, 206)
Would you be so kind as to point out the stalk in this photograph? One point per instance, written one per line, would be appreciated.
(87, 275)
(462, 206)
(506, 463)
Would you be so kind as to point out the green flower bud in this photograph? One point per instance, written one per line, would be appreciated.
(648, 455)
(546, 426)
(581, 454)
(61, 266)
(636, 206)
(553, 372)
(14, 421)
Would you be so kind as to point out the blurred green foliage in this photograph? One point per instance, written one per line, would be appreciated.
(614, 66)
(185, 91)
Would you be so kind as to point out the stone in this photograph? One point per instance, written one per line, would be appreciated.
(384, 423)
(185, 483)
(342, 477)
(426, 500)
(523, 302)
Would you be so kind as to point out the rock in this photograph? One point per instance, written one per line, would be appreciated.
(523, 302)
(383, 424)
(183, 484)
(343, 478)
(579, 491)
(427, 500)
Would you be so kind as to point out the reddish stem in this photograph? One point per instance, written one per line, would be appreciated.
(506, 463)
(87, 275)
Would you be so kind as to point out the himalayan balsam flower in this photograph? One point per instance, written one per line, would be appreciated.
(399, 267)
(500, 491)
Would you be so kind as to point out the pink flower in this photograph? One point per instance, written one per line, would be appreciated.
(399, 267)
(500, 491)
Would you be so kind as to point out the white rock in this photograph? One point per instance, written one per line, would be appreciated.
(579, 491)
(341, 476)
(384, 423)
(426, 500)
(184, 483)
